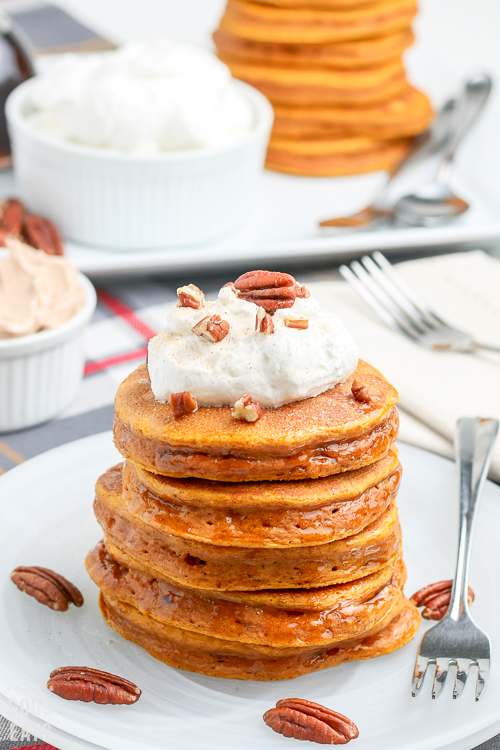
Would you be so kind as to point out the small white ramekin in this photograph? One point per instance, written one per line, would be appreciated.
(40, 374)
(125, 202)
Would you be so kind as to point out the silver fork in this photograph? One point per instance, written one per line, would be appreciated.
(456, 640)
(403, 309)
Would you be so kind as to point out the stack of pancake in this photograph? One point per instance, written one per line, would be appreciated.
(261, 550)
(333, 71)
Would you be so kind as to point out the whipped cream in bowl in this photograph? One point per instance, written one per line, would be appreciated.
(144, 98)
(308, 352)
(150, 146)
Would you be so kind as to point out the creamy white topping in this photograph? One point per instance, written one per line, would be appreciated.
(37, 291)
(274, 369)
(144, 98)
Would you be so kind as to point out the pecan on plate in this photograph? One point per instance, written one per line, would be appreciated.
(42, 234)
(435, 599)
(47, 587)
(183, 403)
(360, 392)
(11, 216)
(268, 289)
(190, 296)
(213, 328)
(293, 322)
(86, 684)
(246, 410)
(304, 720)
(263, 322)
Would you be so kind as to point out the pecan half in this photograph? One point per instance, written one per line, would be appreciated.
(300, 323)
(435, 599)
(213, 328)
(268, 289)
(305, 720)
(42, 234)
(47, 587)
(86, 684)
(360, 392)
(263, 322)
(190, 296)
(246, 410)
(183, 403)
(11, 219)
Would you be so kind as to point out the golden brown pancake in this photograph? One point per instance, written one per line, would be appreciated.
(352, 609)
(363, 53)
(318, 4)
(315, 437)
(262, 514)
(265, 23)
(315, 87)
(222, 658)
(334, 157)
(209, 566)
(405, 115)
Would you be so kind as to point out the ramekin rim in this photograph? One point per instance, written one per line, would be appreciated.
(264, 116)
(40, 337)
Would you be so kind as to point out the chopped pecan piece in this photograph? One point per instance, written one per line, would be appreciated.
(47, 587)
(360, 392)
(246, 410)
(268, 289)
(300, 323)
(435, 599)
(86, 684)
(190, 296)
(232, 286)
(183, 403)
(302, 291)
(263, 322)
(42, 234)
(11, 218)
(213, 328)
(305, 720)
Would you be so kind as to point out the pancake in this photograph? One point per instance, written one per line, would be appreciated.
(265, 23)
(262, 514)
(314, 437)
(364, 53)
(406, 115)
(319, 4)
(334, 157)
(353, 610)
(209, 566)
(322, 87)
(222, 658)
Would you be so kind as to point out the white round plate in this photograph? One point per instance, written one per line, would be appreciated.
(47, 520)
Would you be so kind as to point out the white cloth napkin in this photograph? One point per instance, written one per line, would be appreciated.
(435, 388)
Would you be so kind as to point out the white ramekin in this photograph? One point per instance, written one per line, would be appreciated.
(126, 202)
(40, 374)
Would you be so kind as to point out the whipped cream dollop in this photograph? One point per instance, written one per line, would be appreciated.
(146, 97)
(37, 291)
(274, 369)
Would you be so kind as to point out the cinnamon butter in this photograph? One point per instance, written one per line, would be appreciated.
(38, 292)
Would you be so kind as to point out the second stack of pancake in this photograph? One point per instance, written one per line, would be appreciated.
(255, 551)
(333, 71)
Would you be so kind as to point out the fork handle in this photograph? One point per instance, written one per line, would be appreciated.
(474, 440)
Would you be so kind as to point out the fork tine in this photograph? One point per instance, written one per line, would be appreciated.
(410, 293)
(439, 677)
(378, 300)
(395, 294)
(482, 676)
(421, 666)
(463, 666)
